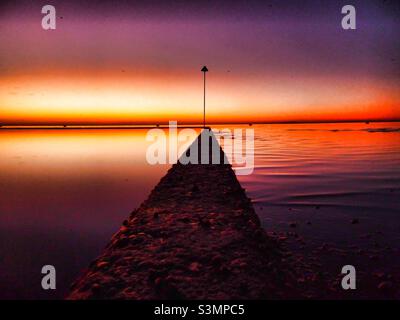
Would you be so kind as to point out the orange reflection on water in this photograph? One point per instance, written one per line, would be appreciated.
(64, 192)
(60, 174)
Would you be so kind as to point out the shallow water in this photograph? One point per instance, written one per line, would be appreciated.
(331, 192)
(64, 192)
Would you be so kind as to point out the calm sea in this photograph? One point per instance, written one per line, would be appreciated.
(63, 193)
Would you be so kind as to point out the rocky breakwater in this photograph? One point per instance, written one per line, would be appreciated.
(197, 236)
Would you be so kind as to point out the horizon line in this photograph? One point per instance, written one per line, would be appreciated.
(165, 124)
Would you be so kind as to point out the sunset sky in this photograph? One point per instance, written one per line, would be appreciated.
(129, 62)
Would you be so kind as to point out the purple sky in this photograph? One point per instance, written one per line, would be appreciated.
(282, 46)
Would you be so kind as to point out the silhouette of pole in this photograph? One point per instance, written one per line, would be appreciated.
(204, 70)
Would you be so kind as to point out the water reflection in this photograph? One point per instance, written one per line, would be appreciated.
(62, 195)
(64, 192)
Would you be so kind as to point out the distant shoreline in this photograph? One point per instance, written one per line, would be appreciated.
(165, 125)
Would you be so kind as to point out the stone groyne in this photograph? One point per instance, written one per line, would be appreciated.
(197, 236)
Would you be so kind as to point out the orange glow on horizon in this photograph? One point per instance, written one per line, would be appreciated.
(127, 97)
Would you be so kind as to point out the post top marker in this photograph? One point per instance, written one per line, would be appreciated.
(204, 69)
